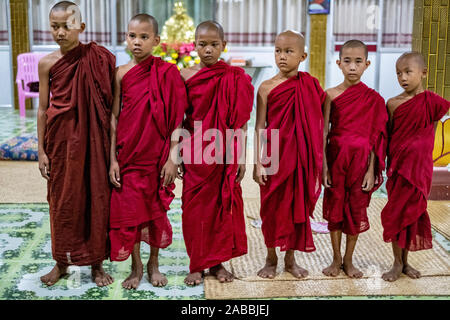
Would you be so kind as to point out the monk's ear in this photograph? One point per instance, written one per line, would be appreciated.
(368, 63)
(304, 56)
(424, 72)
(82, 27)
(338, 62)
(224, 43)
(157, 40)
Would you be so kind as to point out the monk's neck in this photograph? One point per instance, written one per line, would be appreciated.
(287, 75)
(415, 91)
(64, 50)
(347, 83)
(140, 59)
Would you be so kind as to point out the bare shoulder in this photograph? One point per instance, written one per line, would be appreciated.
(48, 61)
(334, 92)
(394, 102)
(187, 73)
(267, 86)
(122, 70)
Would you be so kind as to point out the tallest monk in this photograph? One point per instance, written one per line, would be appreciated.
(75, 99)
(220, 101)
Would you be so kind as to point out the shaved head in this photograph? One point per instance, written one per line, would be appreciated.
(64, 6)
(210, 25)
(413, 56)
(143, 17)
(300, 40)
(354, 44)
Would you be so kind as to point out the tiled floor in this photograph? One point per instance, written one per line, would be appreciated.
(11, 124)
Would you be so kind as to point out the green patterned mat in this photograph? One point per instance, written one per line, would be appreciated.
(25, 255)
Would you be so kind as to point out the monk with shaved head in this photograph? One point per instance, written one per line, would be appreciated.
(75, 100)
(289, 124)
(220, 102)
(149, 104)
(412, 118)
(355, 140)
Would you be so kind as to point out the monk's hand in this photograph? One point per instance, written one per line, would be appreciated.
(169, 172)
(114, 174)
(326, 178)
(259, 174)
(240, 173)
(368, 181)
(44, 165)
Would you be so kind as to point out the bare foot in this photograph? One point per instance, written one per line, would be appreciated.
(156, 278)
(270, 268)
(333, 269)
(221, 273)
(53, 276)
(194, 279)
(351, 271)
(295, 270)
(411, 272)
(394, 273)
(100, 277)
(133, 280)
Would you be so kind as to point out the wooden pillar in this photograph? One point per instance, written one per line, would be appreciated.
(431, 37)
(317, 46)
(20, 41)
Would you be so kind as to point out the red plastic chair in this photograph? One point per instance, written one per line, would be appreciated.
(27, 72)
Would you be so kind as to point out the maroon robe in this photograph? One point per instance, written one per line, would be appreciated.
(77, 145)
(154, 100)
(221, 97)
(410, 168)
(289, 196)
(358, 119)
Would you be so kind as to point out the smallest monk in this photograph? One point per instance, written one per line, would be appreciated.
(149, 104)
(355, 140)
(412, 119)
(290, 104)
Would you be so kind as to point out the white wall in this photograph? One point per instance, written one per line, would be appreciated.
(5, 79)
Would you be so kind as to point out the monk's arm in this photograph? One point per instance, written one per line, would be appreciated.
(326, 179)
(114, 170)
(260, 125)
(44, 93)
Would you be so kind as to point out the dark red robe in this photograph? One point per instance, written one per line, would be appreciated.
(77, 144)
(221, 97)
(154, 100)
(410, 168)
(289, 196)
(358, 120)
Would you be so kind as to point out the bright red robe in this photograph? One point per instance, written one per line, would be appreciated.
(289, 196)
(358, 125)
(221, 97)
(410, 168)
(77, 144)
(154, 100)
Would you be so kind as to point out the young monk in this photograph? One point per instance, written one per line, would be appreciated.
(149, 104)
(353, 157)
(73, 127)
(220, 100)
(290, 102)
(412, 119)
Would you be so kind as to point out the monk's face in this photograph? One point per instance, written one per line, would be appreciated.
(410, 73)
(209, 46)
(289, 52)
(141, 39)
(353, 63)
(65, 28)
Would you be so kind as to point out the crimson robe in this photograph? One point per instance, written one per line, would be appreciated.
(410, 168)
(77, 145)
(154, 100)
(289, 196)
(358, 120)
(221, 97)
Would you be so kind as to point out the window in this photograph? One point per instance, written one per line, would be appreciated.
(398, 20)
(4, 39)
